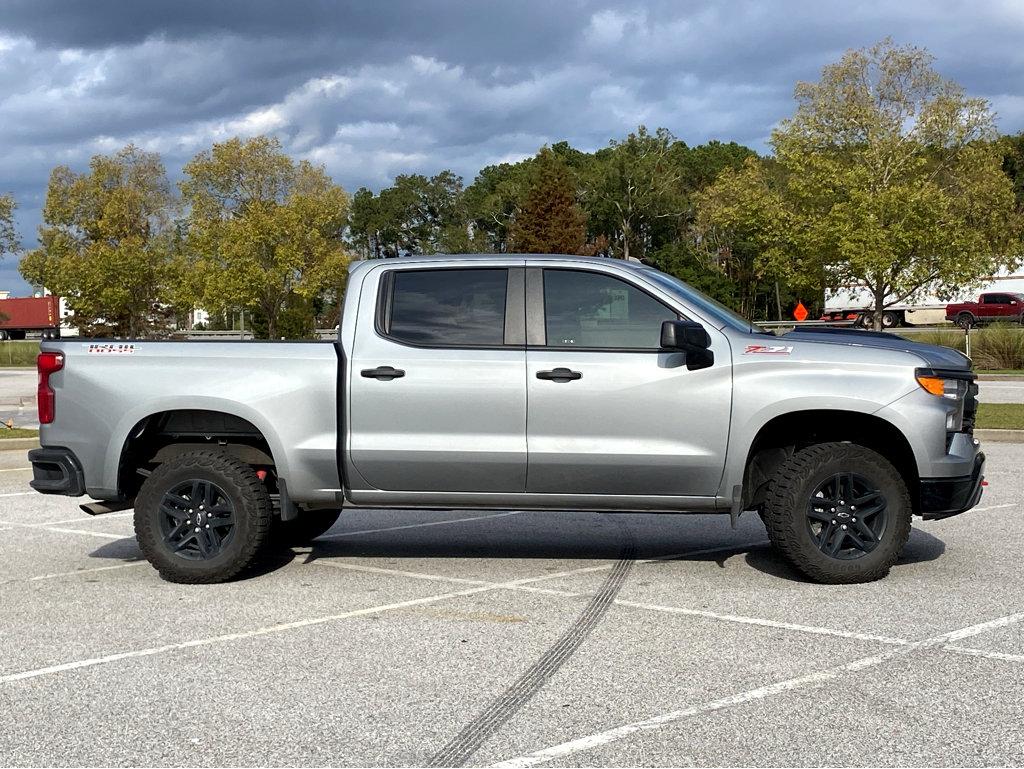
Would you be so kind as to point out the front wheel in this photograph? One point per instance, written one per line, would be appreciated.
(202, 517)
(840, 513)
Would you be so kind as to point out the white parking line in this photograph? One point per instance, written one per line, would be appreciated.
(993, 507)
(77, 572)
(284, 626)
(484, 588)
(619, 733)
(80, 519)
(985, 653)
(14, 469)
(60, 530)
(342, 534)
(430, 577)
(20, 494)
(703, 613)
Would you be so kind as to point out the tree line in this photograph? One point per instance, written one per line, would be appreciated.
(887, 177)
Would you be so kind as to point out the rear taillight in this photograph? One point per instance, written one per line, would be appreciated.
(46, 364)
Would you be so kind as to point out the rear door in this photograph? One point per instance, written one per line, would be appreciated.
(609, 411)
(438, 393)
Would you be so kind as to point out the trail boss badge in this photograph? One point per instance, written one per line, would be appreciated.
(110, 349)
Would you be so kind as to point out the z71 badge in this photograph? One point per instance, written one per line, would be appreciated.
(767, 349)
(110, 349)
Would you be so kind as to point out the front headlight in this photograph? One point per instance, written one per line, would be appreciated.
(950, 386)
(944, 387)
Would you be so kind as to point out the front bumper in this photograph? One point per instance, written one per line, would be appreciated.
(946, 497)
(56, 470)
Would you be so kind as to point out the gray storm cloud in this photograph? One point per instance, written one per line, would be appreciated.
(375, 89)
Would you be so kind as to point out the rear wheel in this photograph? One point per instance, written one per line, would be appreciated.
(965, 320)
(839, 512)
(302, 530)
(890, 319)
(202, 517)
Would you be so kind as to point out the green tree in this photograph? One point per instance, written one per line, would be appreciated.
(886, 177)
(1013, 164)
(260, 229)
(107, 244)
(634, 188)
(415, 215)
(549, 221)
(492, 201)
(9, 240)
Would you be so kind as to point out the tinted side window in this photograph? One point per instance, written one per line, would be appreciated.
(588, 309)
(997, 299)
(448, 307)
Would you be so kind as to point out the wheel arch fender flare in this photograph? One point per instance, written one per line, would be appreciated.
(129, 423)
(793, 423)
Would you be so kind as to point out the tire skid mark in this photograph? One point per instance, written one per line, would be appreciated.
(461, 747)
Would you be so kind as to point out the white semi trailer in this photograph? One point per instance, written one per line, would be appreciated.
(856, 304)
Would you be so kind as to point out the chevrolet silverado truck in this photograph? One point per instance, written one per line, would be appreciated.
(993, 307)
(506, 381)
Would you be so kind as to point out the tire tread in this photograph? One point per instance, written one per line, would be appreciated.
(784, 498)
(256, 501)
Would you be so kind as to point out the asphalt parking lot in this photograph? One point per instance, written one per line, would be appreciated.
(524, 639)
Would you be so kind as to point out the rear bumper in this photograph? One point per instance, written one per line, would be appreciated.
(946, 497)
(56, 470)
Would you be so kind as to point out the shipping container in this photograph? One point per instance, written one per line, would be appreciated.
(34, 313)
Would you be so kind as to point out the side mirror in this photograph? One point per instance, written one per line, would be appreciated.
(691, 338)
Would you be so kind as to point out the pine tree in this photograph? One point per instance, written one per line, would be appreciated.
(549, 221)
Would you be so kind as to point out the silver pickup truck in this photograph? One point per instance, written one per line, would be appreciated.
(511, 381)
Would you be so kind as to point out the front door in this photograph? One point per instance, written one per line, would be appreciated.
(437, 385)
(609, 412)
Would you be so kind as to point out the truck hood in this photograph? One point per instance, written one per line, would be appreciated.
(933, 355)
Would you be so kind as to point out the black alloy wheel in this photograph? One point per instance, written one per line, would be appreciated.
(197, 519)
(847, 516)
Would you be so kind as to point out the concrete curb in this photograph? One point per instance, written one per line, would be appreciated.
(18, 444)
(999, 436)
(1001, 377)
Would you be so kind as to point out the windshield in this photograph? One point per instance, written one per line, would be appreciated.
(705, 304)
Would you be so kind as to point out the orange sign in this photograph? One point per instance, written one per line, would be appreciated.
(800, 313)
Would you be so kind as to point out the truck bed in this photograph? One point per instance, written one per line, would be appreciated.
(288, 390)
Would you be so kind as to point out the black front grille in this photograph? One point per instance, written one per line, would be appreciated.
(970, 407)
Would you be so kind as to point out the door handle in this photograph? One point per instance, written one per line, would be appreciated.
(385, 373)
(559, 375)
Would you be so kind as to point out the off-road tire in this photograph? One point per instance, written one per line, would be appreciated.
(789, 494)
(300, 531)
(252, 516)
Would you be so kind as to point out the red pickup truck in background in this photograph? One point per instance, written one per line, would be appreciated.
(990, 308)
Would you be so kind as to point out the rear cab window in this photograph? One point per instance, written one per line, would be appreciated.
(444, 307)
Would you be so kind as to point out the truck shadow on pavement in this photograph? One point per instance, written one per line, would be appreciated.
(653, 538)
(656, 537)
(921, 547)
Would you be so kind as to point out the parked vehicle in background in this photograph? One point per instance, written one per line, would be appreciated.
(990, 308)
(853, 304)
(33, 313)
(510, 381)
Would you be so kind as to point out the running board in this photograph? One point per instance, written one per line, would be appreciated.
(101, 508)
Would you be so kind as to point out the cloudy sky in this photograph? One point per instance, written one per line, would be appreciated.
(377, 88)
